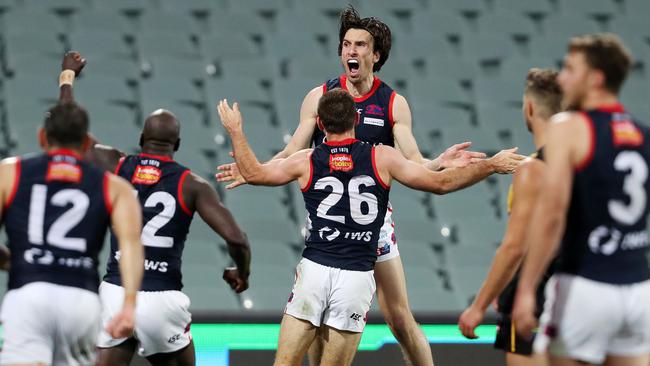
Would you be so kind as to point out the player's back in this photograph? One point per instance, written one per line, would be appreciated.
(346, 201)
(56, 220)
(606, 238)
(158, 182)
(375, 110)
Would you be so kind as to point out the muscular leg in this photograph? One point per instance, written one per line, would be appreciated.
(315, 353)
(393, 301)
(182, 357)
(339, 347)
(561, 361)
(628, 361)
(120, 355)
(513, 359)
(295, 337)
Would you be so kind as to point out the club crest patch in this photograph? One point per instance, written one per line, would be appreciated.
(146, 175)
(341, 162)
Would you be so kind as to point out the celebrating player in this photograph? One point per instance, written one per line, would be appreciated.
(345, 184)
(56, 209)
(169, 194)
(385, 118)
(594, 202)
(542, 99)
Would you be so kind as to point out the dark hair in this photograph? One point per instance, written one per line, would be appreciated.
(337, 111)
(542, 85)
(66, 125)
(605, 52)
(381, 36)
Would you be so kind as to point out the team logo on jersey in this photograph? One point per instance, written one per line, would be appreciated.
(373, 121)
(374, 110)
(146, 175)
(63, 172)
(341, 162)
(624, 132)
(324, 231)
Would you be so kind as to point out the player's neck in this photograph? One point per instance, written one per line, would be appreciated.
(67, 150)
(539, 134)
(157, 151)
(331, 137)
(361, 87)
(598, 98)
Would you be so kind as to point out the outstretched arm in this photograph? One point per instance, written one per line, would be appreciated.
(507, 260)
(416, 176)
(205, 200)
(275, 172)
(568, 145)
(126, 221)
(104, 156)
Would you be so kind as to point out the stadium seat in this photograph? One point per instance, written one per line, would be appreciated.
(257, 5)
(103, 89)
(181, 68)
(307, 66)
(192, 6)
(303, 21)
(33, 43)
(437, 90)
(206, 289)
(429, 119)
(451, 67)
(55, 5)
(287, 46)
(460, 206)
(32, 89)
(417, 254)
(167, 23)
(332, 7)
(245, 91)
(115, 67)
(238, 22)
(465, 7)
(262, 69)
(484, 141)
(588, 7)
(506, 24)
(22, 21)
(101, 20)
(99, 43)
(535, 8)
(480, 231)
(466, 281)
(125, 6)
(636, 7)
(550, 46)
(163, 91)
(24, 119)
(485, 48)
(224, 46)
(439, 21)
(398, 70)
(516, 68)
(163, 44)
(421, 47)
(426, 292)
(566, 26)
(499, 91)
(270, 287)
(33, 64)
(290, 94)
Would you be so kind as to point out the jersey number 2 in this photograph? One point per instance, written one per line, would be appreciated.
(149, 237)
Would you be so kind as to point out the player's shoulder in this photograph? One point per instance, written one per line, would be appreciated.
(565, 119)
(530, 173)
(10, 162)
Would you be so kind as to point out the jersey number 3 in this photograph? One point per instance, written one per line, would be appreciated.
(633, 186)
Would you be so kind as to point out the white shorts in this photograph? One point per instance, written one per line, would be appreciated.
(331, 296)
(162, 319)
(387, 243)
(49, 324)
(587, 320)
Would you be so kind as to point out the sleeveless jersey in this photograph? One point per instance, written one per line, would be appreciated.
(158, 182)
(346, 201)
(375, 113)
(606, 238)
(56, 220)
(507, 296)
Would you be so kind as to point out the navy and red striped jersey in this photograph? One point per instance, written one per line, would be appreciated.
(375, 113)
(56, 220)
(606, 236)
(346, 202)
(158, 183)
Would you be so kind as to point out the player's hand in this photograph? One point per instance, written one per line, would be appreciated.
(123, 323)
(507, 161)
(457, 156)
(230, 173)
(236, 282)
(523, 313)
(230, 117)
(469, 320)
(72, 60)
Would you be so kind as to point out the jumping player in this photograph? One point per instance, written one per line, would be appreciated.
(594, 202)
(385, 118)
(542, 99)
(56, 209)
(345, 184)
(169, 194)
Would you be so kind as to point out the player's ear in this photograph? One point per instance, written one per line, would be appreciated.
(88, 141)
(597, 78)
(177, 144)
(319, 123)
(42, 139)
(529, 109)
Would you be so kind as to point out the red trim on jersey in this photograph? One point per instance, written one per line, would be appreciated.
(390, 108)
(374, 168)
(157, 157)
(311, 175)
(14, 189)
(181, 200)
(119, 165)
(107, 194)
(375, 85)
(343, 142)
(592, 144)
(324, 88)
(66, 152)
(612, 108)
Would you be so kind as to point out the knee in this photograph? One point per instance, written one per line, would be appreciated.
(400, 320)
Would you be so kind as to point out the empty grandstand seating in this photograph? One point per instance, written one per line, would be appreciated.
(460, 63)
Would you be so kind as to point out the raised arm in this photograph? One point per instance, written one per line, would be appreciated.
(507, 260)
(126, 221)
(392, 165)
(103, 156)
(301, 138)
(8, 170)
(203, 198)
(568, 145)
(274, 173)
